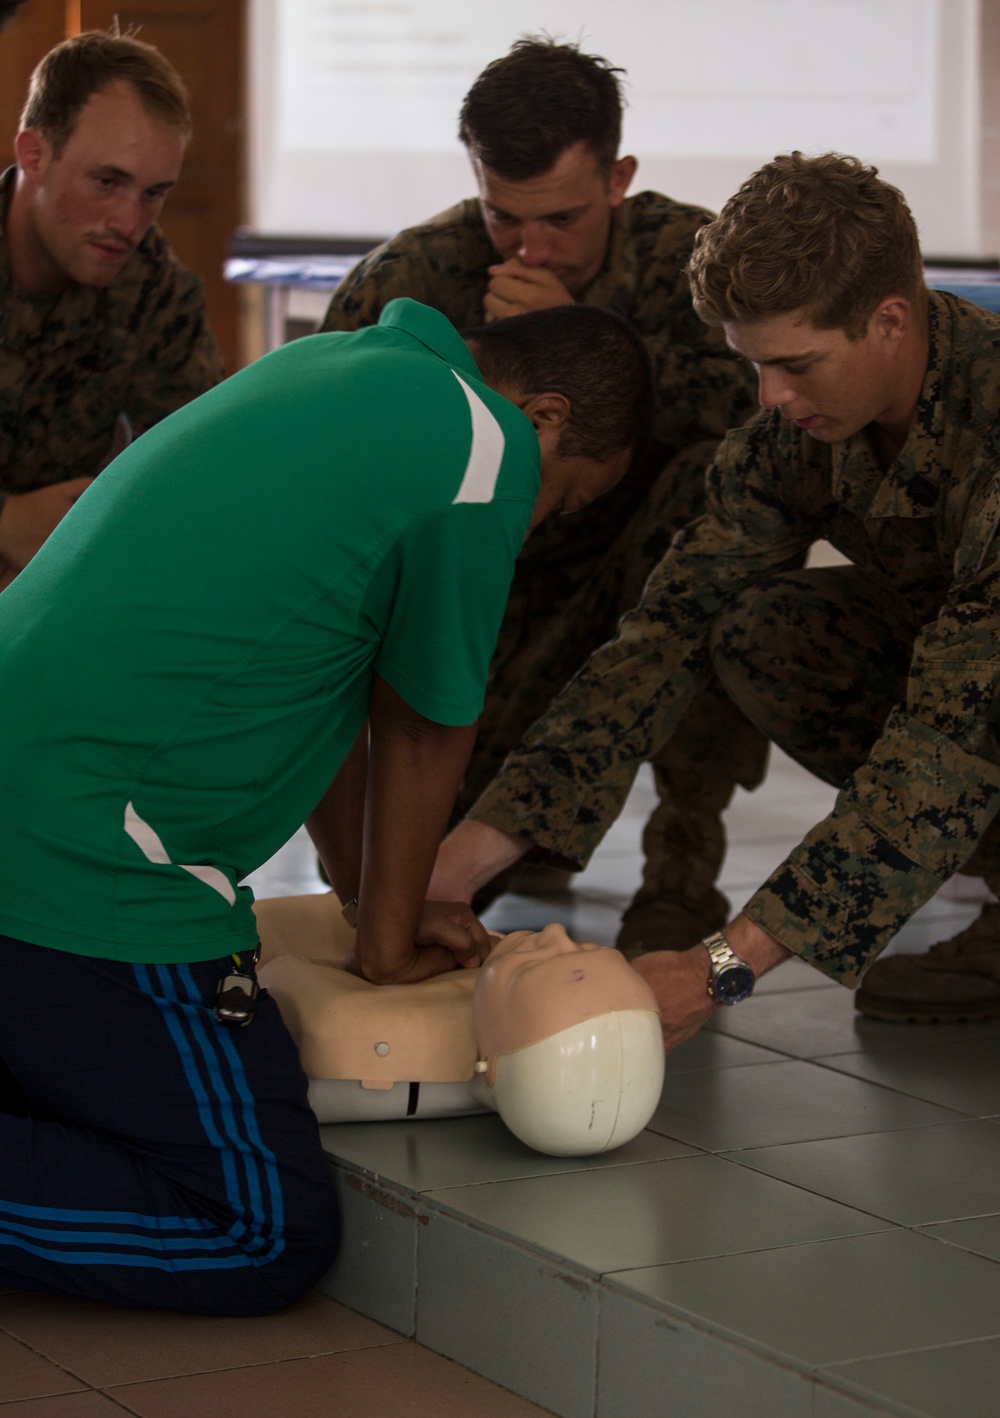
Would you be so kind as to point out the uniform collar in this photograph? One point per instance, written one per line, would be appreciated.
(432, 329)
(911, 486)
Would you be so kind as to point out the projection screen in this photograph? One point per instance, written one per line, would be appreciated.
(354, 102)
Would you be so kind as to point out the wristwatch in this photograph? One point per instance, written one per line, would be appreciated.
(731, 978)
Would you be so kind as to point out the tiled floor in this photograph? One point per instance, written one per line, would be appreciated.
(809, 1227)
(68, 1359)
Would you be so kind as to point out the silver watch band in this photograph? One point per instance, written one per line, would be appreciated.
(719, 952)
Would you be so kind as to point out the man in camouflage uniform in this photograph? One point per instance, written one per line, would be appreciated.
(879, 432)
(551, 226)
(102, 331)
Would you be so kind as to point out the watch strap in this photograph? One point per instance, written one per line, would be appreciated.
(719, 951)
(722, 961)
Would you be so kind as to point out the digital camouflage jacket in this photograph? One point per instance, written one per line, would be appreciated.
(704, 388)
(68, 367)
(925, 533)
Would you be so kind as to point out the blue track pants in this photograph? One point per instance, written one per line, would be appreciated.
(148, 1155)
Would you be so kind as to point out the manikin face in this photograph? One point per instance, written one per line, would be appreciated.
(559, 220)
(536, 984)
(826, 384)
(91, 205)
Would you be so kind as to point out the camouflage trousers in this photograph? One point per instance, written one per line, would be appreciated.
(575, 579)
(817, 660)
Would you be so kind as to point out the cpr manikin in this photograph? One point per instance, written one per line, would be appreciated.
(562, 1040)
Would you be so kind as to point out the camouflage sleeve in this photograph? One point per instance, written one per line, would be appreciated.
(914, 812)
(567, 780)
(443, 263)
(399, 267)
(705, 388)
(179, 358)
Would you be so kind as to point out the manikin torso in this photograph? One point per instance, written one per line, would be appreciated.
(562, 1040)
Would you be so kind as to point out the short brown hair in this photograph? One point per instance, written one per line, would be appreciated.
(66, 78)
(527, 108)
(825, 235)
(592, 356)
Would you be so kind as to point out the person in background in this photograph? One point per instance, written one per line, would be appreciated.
(552, 226)
(102, 331)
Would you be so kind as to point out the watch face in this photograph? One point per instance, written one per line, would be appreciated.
(733, 983)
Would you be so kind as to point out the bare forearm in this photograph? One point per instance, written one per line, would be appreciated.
(415, 769)
(336, 825)
(469, 857)
(752, 944)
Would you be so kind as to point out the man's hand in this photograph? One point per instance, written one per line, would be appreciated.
(452, 926)
(679, 978)
(515, 289)
(448, 936)
(421, 963)
(27, 519)
(470, 856)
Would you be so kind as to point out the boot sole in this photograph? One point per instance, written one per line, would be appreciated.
(929, 1014)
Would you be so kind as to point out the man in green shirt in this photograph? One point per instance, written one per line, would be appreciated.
(278, 606)
(878, 432)
(553, 226)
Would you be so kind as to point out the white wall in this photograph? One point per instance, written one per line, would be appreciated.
(354, 102)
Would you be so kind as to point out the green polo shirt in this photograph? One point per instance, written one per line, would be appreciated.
(188, 659)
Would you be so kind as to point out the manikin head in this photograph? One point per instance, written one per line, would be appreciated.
(569, 1040)
(562, 1040)
(583, 377)
(813, 270)
(542, 127)
(102, 138)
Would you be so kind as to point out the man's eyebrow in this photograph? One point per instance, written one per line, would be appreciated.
(778, 359)
(109, 170)
(543, 217)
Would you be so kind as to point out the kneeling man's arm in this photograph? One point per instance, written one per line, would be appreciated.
(414, 770)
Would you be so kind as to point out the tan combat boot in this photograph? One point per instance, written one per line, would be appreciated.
(956, 980)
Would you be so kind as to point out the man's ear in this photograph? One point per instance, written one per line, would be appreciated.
(32, 152)
(546, 411)
(620, 178)
(893, 318)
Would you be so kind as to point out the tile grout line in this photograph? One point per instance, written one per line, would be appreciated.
(40, 1354)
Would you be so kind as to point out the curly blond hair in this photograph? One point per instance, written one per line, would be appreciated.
(824, 235)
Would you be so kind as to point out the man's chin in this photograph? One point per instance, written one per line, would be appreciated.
(98, 267)
(822, 431)
(98, 274)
